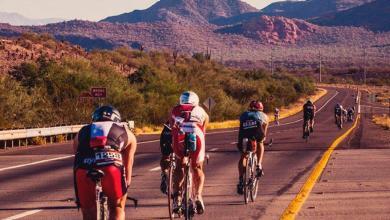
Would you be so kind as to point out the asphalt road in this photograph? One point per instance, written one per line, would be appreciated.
(44, 190)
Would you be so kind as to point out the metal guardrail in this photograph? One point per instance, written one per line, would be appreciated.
(38, 132)
(24, 134)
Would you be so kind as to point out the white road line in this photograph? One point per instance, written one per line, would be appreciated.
(235, 142)
(213, 149)
(37, 162)
(145, 142)
(23, 214)
(155, 169)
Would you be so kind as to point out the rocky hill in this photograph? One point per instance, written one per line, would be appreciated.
(374, 16)
(273, 30)
(310, 8)
(202, 11)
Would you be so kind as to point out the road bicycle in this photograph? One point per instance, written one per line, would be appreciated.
(251, 180)
(306, 132)
(101, 200)
(170, 182)
(96, 176)
(339, 121)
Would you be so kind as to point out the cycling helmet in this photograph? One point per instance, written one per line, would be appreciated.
(106, 113)
(338, 105)
(256, 105)
(189, 97)
(309, 101)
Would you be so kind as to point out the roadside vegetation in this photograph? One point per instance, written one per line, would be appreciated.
(142, 85)
(382, 120)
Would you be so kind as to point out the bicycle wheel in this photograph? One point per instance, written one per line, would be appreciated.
(170, 190)
(247, 177)
(187, 195)
(255, 180)
(103, 208)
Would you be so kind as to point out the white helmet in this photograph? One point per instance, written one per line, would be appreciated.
(189, 97)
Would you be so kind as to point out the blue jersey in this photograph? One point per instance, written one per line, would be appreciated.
(251, 125)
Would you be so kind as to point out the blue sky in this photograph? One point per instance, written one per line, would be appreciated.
(84, 9)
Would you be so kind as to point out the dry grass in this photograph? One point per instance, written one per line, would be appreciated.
(285, 112)
(382, 120)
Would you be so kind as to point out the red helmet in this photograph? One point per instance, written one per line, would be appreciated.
(256, 105)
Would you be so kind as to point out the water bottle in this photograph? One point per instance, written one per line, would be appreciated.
(191, 142)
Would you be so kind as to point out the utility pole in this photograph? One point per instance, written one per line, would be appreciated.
(320, 64)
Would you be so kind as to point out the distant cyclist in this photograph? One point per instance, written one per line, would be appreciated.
(277, 115)
(109, 146)
(166, 150)
(351, 113)
(338, 114)
(309, 111)
(194, 119)
(253, 124)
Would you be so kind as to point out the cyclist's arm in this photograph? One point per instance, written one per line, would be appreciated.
(206, 122)
(128, 155)
(75, 143)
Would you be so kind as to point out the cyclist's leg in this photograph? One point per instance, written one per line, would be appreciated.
(87, 194)
(115, 188)
(260, 152)
(197, 159)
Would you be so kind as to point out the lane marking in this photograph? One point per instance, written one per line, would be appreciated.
(37, 162)
(296, 204)
(370, 106)
(146, 142)
(155, 169)
(213, 149)
(23, 214)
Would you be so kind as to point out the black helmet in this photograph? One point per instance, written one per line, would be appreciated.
(106, 113)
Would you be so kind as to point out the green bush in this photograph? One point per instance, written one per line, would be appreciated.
(45, 92)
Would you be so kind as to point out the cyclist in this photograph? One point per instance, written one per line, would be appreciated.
(309, 111)
(107, 145)
(166, 150)
(351, 113)
(277, 115)
(253, 123)
(338, 113)
(193, 119)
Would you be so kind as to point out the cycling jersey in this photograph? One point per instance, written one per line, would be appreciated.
(338, 111)
(100, 144)
(308, 111)
(251, 125)
(188, 119)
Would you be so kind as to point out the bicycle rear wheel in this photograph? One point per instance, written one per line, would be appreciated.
(247, 177)
(170, 191)
(255, 180)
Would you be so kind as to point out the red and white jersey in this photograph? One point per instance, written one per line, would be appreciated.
(188, 119)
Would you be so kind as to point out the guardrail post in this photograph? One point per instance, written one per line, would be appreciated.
(18, 142)
(51, 139)
(12, 143)
(26, 142)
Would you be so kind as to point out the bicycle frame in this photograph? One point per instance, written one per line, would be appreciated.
(250, 179)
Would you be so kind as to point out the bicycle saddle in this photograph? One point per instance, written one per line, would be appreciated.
(95, 174)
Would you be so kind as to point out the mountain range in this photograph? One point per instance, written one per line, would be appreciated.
(17, 19)
(310, 8)
(233, 30)
(374, 16)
